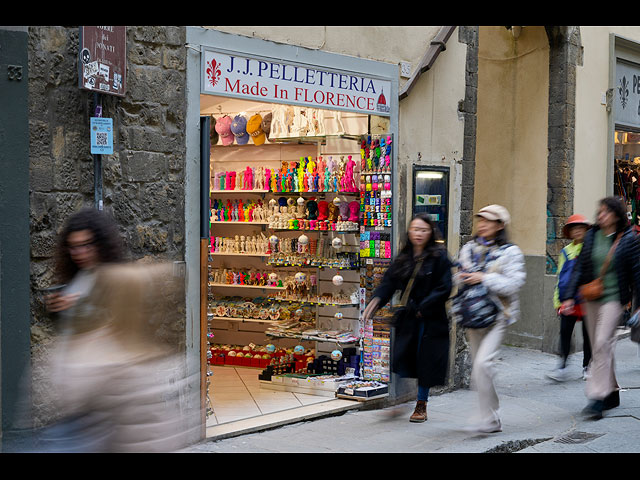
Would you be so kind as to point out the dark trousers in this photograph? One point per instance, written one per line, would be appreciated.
(566, 331)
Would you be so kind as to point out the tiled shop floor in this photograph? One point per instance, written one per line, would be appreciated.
(235, 394)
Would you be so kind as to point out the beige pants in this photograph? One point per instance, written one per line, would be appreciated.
(601, 321)
(485, 344)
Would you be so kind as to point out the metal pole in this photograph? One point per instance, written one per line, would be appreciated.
(97, 161)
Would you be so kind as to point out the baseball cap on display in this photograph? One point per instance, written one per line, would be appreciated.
(495, 213)
(266, 124)
(239, 130)
(254, 128)
(223, 127)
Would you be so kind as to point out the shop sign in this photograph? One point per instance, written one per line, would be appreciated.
(103, 59)
(627, 94)
(272, 81)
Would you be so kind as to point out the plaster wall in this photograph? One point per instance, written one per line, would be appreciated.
(511, 160)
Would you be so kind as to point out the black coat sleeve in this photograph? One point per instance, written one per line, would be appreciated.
(441, 286)
(634, 266)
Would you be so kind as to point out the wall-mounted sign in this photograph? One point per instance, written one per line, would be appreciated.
(278, 82)
(103, 59)
(101, 135)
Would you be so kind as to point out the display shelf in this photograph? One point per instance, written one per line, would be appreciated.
(344, 232)
(311, 338)
(320, 267)
(301, 193)
(315, 138)
(216, 254)
(238, 191)
(233, 222)
(230, 285)
(309, 302)
(240, 319)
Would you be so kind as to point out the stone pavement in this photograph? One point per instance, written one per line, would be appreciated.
(539, 416)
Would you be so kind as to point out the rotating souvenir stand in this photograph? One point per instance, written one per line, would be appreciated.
(294, 190)
(376, 202)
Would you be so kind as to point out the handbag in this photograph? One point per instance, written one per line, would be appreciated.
(593, 290)
(474, 306)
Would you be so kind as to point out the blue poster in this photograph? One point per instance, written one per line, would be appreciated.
(102, 135)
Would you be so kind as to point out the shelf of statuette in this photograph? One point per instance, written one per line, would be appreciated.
(313, 230)
(238, 191)
(231, 285)
(356, 193)
(240, 319)
(341, 340)
(315, 138)
(310, 302)
(233, 254)
(237, 222)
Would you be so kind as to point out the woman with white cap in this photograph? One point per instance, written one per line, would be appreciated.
(575, 229)
(490, 260)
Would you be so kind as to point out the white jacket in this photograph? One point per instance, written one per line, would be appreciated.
(505, 275)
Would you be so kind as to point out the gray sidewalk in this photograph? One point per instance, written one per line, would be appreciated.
(539, 416)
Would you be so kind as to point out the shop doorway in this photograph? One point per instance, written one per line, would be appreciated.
(627, 171)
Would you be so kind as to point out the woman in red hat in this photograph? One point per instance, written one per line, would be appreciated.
(575, 229)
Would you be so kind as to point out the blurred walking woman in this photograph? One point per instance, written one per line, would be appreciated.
(491, 262)
(606, 275)
(422, 271)
(89, 239)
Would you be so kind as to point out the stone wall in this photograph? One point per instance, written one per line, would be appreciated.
(565, 55)
(143, 180)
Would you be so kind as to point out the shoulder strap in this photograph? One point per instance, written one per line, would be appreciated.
(607, 260)
(407, 290)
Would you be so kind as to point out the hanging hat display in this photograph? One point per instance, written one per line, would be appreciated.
(266, 124)
(239, 130)
(223, 127)
(254, 129)
(213, 134)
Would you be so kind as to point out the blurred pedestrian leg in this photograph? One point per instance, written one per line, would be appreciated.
(602, 322)
(484, 345)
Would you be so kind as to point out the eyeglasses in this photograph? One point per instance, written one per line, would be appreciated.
(81, 246)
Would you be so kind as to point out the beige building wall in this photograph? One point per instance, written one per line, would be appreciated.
(592, 176)
(511, 155)
(430, 127)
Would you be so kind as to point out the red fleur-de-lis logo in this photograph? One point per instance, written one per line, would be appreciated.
(213, 72)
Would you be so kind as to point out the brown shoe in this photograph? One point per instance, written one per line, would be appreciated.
(420, 413)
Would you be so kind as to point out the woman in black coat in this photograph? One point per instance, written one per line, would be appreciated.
(420, 347)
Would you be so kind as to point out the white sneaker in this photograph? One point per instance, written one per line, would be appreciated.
(585, 373)
(484, 427)
(559, 374)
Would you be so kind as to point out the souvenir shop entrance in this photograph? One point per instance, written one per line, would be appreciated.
(627, 171)
(626, 131)
(300, 223)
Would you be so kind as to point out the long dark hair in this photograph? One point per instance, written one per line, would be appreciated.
(404, 261)
(106, 236)
(619, 209)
